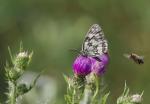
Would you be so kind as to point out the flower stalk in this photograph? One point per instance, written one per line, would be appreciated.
(96, 89)
(12, 92)
(87, 95)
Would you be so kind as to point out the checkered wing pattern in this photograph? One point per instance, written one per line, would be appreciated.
(95, 43)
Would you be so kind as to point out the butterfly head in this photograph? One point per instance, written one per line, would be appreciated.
(84, 53)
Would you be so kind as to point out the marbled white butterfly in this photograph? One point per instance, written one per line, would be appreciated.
(95, 43)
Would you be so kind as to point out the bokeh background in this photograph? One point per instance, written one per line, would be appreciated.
(51, 27)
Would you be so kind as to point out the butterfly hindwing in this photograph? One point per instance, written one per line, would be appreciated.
(95, 44)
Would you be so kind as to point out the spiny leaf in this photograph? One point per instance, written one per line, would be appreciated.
(11, 56)
(21, 46)
(65, 77)
(104, 98)
(30, 57)
(7, 68)
(142, 93)
(126, 90)
(35, 80)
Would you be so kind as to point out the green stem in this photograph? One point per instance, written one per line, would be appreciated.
(12, 86)
(73, 97)
(87, 95)
(96, 90)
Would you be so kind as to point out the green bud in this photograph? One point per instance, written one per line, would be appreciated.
(136, 99)
(124, 100)
(22, 61)
(13, 74)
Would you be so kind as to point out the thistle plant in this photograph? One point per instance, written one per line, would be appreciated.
(14, 71)
(85, 86)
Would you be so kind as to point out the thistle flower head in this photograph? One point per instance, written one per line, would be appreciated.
(104, 58)
(82, 65)
(99, 66)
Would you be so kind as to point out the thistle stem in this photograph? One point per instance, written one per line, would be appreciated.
(96, 90)
(87, 95)
(73, 97)
(12, 85)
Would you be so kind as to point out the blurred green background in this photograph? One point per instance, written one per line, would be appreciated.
(51, 27)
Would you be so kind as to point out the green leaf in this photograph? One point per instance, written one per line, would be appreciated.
(11, 56)
(104, 98)
(65, 77)
(30, 57)
(126, 90)
(35, 80)
(21, 46)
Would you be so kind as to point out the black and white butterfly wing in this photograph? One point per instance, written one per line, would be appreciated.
(95, 43)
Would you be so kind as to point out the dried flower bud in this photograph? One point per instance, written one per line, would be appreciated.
(82, 65)
(136, 98)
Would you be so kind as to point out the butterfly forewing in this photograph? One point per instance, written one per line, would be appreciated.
(95, 43)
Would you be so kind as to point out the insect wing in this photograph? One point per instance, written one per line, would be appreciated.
(95, 43)
(127, 55)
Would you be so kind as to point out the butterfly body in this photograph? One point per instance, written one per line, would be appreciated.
(94, 43)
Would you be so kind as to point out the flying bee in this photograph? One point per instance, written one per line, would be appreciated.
(136, 58)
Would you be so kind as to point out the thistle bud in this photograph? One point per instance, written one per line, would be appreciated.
(136, 98)
(13, 74)
(82, 65)
(22, 60)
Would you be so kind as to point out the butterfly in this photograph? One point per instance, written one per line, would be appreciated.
(136, 58)
(94, 44)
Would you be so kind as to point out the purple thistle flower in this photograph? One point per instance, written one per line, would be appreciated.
(82, 65)
(99, 67)
(85, 65)
(104, 58)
